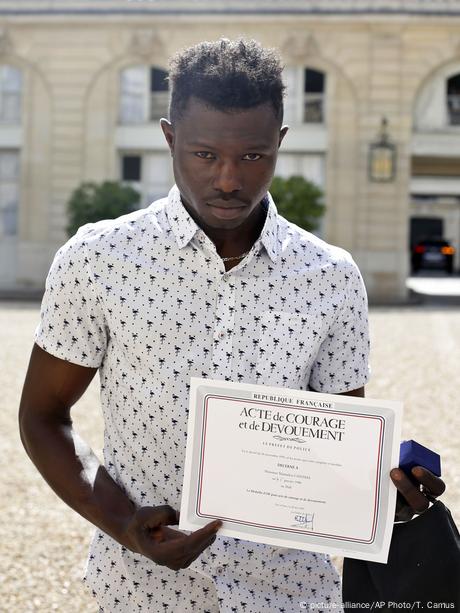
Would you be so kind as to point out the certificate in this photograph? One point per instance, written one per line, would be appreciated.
(291, 468)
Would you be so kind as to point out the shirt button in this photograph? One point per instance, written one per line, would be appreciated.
(219, 570)
(221, 334)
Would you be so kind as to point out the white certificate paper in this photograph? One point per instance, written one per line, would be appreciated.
(292, 469)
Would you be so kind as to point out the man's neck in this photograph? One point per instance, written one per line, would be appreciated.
(235, 242)
(231, 243)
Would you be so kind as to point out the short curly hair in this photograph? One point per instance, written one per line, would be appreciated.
(228, 75)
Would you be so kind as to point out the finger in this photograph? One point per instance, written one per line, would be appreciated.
(170, 534)
(173, 548)
(411, 493)
(197, 541)
(403, 511)
(178, 553)
(205, 532)
(153, 517)
(430, 482)
(170, 517)
(163, 534)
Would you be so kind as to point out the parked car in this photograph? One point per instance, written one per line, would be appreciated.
(433, 253)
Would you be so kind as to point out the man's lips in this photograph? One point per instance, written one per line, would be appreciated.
(226, 211)
(222, 204)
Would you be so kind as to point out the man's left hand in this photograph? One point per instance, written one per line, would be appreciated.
(415, 499)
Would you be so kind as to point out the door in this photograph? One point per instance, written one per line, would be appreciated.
(425, 227)
(9, 202)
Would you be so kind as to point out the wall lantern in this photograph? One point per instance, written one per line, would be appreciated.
(382, 157)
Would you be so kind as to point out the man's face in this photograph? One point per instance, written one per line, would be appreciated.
(223, 162)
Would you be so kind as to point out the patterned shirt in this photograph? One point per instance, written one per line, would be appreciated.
(146, 299)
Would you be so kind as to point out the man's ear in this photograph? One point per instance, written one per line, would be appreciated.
(168, 131)
(283, 133)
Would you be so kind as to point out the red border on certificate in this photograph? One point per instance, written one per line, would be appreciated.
(297, 408)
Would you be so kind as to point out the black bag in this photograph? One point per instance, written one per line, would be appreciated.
(423, 568)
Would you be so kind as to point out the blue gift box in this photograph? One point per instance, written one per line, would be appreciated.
(413, 454)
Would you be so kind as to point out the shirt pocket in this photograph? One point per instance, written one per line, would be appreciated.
(288, 345)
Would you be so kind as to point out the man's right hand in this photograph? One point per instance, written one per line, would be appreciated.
(147, 533)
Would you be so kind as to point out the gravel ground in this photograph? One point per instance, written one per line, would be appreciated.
(415, 357)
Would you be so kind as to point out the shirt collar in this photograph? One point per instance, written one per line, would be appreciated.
(184, 227)
(271, 235)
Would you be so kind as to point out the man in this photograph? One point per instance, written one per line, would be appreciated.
(207, 282)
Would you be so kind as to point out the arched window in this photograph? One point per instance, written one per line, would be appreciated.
(453, 100)
(143, 94)
(314, 89)
(10, 94)
(437, 106)
(305, 96)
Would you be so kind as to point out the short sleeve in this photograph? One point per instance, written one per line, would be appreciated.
(72, 323)
(342, 362)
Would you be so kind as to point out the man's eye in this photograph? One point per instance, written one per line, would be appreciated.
(204, 155)
(252, 157)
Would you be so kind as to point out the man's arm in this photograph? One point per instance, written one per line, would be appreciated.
(52, 386)
(360, 392)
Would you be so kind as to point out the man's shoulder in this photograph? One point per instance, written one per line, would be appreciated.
(314, 249)
(134, 223)
(122, 233)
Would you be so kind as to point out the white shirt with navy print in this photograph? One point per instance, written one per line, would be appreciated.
(146, 299)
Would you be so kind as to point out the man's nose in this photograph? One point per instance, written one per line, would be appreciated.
(228, 178)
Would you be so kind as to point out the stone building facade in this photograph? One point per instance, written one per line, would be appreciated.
(82, 87)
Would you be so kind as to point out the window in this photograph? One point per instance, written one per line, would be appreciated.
(144, 94)
(131, 173)
(132, 100)
(453, 100)
(313, 103)
(10, 95)
(131, 168)
(305, 95)
(159, 93)
(149, 172)
(157, 175)
(309, 166)
(9, 192)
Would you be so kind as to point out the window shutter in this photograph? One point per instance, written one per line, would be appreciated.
(134, 91)
(291, 101)
(10, 94)
(9, 192)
